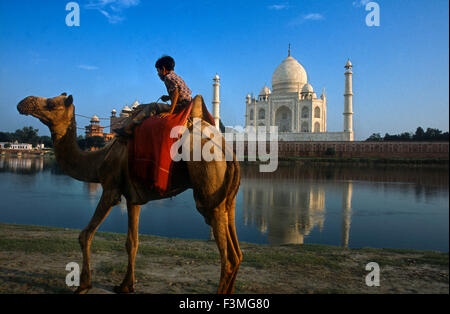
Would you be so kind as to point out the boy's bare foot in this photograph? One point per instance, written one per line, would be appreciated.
(122, 133)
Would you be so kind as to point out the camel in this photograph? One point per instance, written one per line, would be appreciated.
(214, 184)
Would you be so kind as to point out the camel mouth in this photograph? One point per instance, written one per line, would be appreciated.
(23, 111)
(27, 106)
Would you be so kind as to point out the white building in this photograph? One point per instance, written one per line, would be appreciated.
(293, 106)
(21, 146)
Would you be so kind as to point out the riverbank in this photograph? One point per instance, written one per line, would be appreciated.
(33, 260)
(358, 162)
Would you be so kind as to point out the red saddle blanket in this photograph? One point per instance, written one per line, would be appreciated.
(149, 150)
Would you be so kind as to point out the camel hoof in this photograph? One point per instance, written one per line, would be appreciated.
(123, 289)
(81, 290)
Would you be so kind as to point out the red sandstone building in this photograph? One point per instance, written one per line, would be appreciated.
(95, 129)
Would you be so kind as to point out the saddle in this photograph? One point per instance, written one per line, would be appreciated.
(149, 149)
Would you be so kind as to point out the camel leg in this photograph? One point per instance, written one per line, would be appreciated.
(229, 257)
(127, 285)
(233, 245)
(104, 206)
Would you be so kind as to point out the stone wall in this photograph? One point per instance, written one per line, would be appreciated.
(316, 137)
(439, 150)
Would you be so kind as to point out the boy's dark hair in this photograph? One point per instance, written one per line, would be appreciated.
(165, 61)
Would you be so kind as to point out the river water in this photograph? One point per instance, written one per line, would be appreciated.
(351, 206)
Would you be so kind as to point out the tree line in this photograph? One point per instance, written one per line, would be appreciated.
(430, 135)
(30, 135)
(27, 135)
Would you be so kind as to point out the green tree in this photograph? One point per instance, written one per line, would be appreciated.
(429, 135)
(388, 137)
(95, 141)
(419, 135)
(6, 137)
(433, 134)
(375, 137)
(406, 136)
(27, 135)
(46, 140)
(81, 142)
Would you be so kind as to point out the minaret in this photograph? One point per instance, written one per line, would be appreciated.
(324, 110)
(112, 120)
(324, 94)
(254, 113)
(248, 101)
(348, 99)
(216, 101)
(346, 213)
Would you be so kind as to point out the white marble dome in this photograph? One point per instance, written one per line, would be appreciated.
(95, 119)
(289, 76)
(265, 91)
(307, 88)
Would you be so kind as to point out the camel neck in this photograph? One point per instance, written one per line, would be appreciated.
(72, 160)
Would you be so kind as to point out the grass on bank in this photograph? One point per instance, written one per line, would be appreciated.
(60, 240)
(166, 265)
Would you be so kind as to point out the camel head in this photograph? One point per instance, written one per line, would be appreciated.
(56, 113)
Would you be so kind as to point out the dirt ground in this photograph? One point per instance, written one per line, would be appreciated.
(33, 260)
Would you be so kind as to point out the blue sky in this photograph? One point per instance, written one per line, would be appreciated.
(400, 69)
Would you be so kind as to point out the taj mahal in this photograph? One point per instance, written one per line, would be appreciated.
(293, 106)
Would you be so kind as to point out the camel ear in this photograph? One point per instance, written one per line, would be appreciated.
(64, 94)
(68, 101)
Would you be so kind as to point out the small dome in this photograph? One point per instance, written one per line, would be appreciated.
(114, 111)
(314, 95)
(126, 109)
(349, 64)
(265, 91)
(135, 105)
(307, 88)
(288, 76)
(216, 77)
(95, 119)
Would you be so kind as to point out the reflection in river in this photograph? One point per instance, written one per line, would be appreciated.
(390, 206)
(95, 189)
(22, 165)
(291, 203)
(288, 212)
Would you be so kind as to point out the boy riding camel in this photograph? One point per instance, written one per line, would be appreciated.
(179, 96)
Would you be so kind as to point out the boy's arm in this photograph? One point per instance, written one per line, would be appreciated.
(174, 99)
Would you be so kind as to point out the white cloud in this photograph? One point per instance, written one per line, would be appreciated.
(277, 7)
(87, 67)
(313, 17)
(306, 18)
(360, 3)
(112, 9)
(112, 18)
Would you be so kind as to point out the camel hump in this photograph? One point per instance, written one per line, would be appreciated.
(199, 108)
